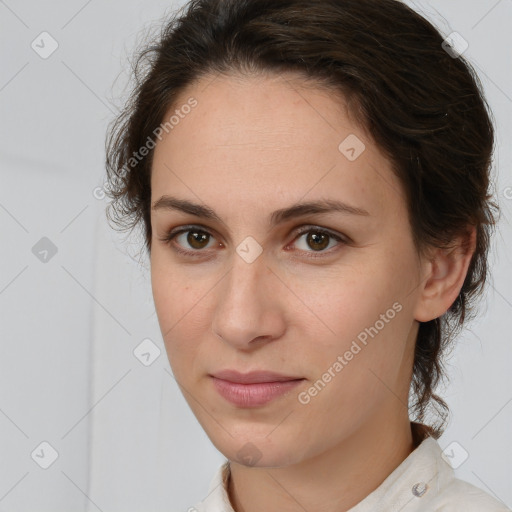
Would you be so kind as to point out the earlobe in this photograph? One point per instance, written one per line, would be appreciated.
(445, 273)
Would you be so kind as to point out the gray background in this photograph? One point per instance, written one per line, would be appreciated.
(125, 438)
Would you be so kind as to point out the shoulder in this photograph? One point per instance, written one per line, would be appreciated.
(444, 491)
(459, 495)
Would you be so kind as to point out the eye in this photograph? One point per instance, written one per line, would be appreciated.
(198, 239)
(317, 239)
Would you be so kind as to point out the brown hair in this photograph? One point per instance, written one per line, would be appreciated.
(423, 107)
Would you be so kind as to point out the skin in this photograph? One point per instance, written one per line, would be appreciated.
(254, 145)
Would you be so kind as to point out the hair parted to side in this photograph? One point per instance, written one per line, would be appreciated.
(423, 108)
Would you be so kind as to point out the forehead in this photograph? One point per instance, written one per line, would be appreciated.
(269, 138)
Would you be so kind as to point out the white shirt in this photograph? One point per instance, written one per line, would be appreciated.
(423, 482)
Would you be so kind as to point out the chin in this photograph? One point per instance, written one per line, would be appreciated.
(261, 451)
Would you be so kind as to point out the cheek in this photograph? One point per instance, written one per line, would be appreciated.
(174, 292)
(176, 301)
(353, 373)
(349, 301)
(361, 316)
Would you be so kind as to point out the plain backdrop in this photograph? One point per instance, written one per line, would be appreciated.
(75, 304)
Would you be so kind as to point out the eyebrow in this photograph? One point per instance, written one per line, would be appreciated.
(170, 203)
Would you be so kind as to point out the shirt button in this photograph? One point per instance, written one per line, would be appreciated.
(419, 489)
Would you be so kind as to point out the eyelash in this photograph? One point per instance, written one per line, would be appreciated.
(169, 237)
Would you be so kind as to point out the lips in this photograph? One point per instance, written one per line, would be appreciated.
(253, 389)
(253, 377)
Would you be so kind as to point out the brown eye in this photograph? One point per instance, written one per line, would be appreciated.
(197, 239)
(317, 240)
(190, 240)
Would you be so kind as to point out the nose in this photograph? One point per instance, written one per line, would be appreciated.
(249, 305)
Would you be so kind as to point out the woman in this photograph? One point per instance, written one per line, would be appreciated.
(312, 180)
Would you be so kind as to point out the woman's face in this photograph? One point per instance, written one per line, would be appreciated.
(324, 298)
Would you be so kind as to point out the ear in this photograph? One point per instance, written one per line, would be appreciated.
(443, 276)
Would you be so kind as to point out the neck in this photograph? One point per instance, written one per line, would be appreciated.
(335, 480)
